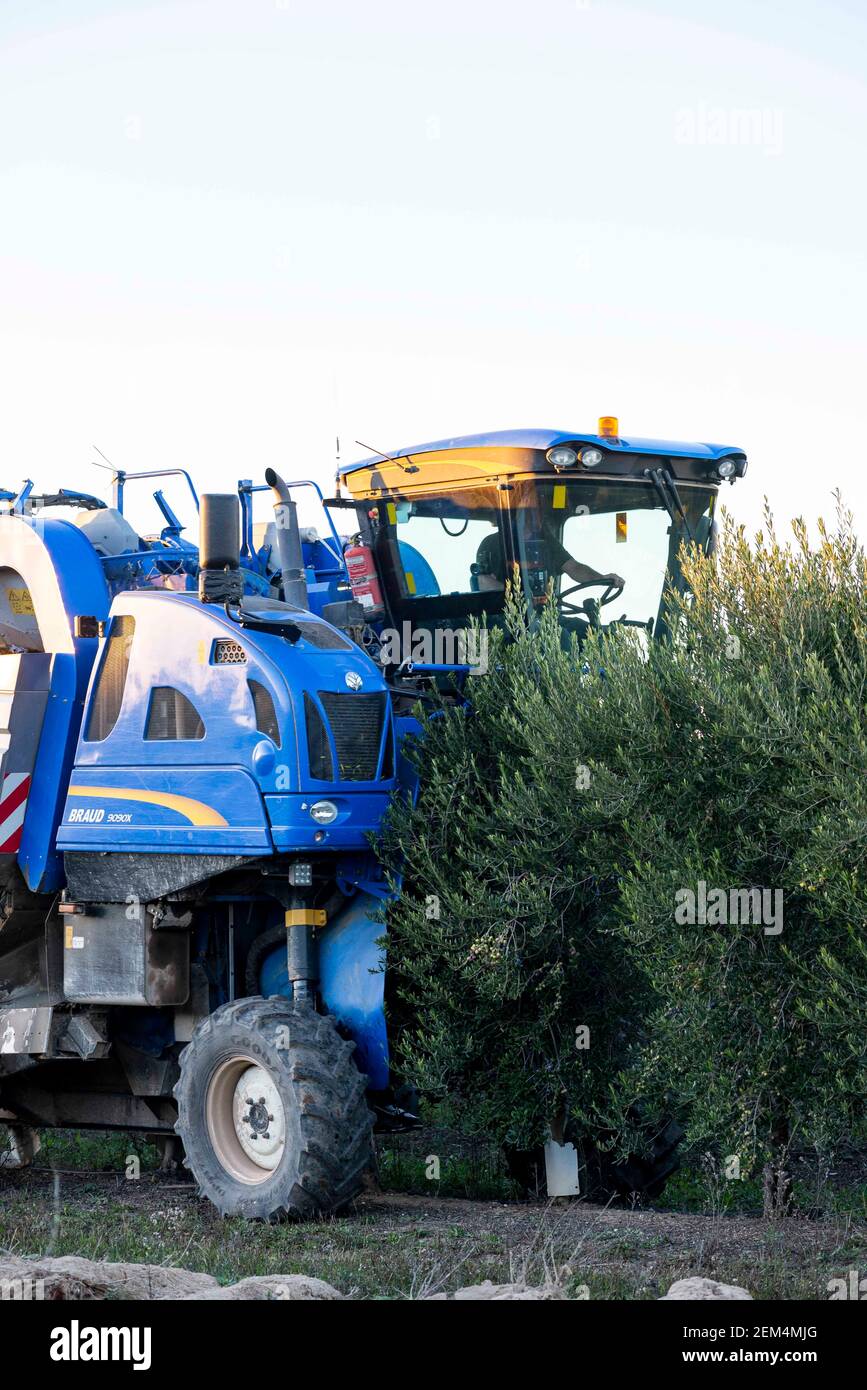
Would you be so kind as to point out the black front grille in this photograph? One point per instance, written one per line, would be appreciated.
(318, 747)
(356, 726)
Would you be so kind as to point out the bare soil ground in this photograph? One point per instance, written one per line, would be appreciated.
(393, 1245)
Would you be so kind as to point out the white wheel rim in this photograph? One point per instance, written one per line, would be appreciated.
(246, 1119)
(259, 1118)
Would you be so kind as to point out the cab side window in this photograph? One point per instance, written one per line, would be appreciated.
(266, 716)
(172, 716)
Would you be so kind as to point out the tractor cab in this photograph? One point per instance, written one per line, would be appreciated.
(593, 523)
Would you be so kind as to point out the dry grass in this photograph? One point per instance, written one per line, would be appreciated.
(399, 1246)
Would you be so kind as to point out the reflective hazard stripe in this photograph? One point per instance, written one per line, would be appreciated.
(13, 807)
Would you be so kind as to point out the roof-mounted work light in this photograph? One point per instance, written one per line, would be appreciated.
(561, 456)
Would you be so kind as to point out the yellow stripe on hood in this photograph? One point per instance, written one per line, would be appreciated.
(196, 812)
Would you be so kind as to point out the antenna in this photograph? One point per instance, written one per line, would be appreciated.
(392, 458)
(335, 406)
(108, 465)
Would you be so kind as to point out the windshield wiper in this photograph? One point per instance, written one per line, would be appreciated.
(666, 487)
(285, 628)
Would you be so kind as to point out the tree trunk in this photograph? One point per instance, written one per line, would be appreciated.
(776, 1178)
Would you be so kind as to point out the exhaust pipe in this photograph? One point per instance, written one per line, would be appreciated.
(220, 578)
(293, 578)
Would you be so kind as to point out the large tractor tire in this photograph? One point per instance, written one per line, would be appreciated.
(19, 1145)
(271, 1111)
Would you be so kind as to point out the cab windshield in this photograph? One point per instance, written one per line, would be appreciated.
(602, 549)
(606, 547)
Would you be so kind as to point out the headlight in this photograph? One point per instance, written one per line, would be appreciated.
(591, 458)
(323, 812)
(562, 456)
(727, 468)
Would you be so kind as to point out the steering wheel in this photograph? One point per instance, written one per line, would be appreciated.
(612, 592)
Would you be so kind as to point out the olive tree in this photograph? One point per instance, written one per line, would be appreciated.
(634, 878)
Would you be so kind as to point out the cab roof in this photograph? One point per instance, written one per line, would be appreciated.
(546, 439)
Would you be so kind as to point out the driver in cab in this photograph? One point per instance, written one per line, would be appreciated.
(546, 555)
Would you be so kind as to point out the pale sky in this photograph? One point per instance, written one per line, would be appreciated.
(232, 230)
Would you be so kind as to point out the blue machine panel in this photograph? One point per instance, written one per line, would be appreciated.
(351, 979)
(188, 810)
(211, 788)
(358, 813)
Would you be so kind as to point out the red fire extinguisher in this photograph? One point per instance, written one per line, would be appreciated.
(363, 578)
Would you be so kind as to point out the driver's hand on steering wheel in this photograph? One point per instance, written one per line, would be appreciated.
(614, 580)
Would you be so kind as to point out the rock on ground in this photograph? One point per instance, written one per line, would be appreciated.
(497, 1293)
(74, 1279)
(284, 1287)
(704, 1288)
(68, 1277)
